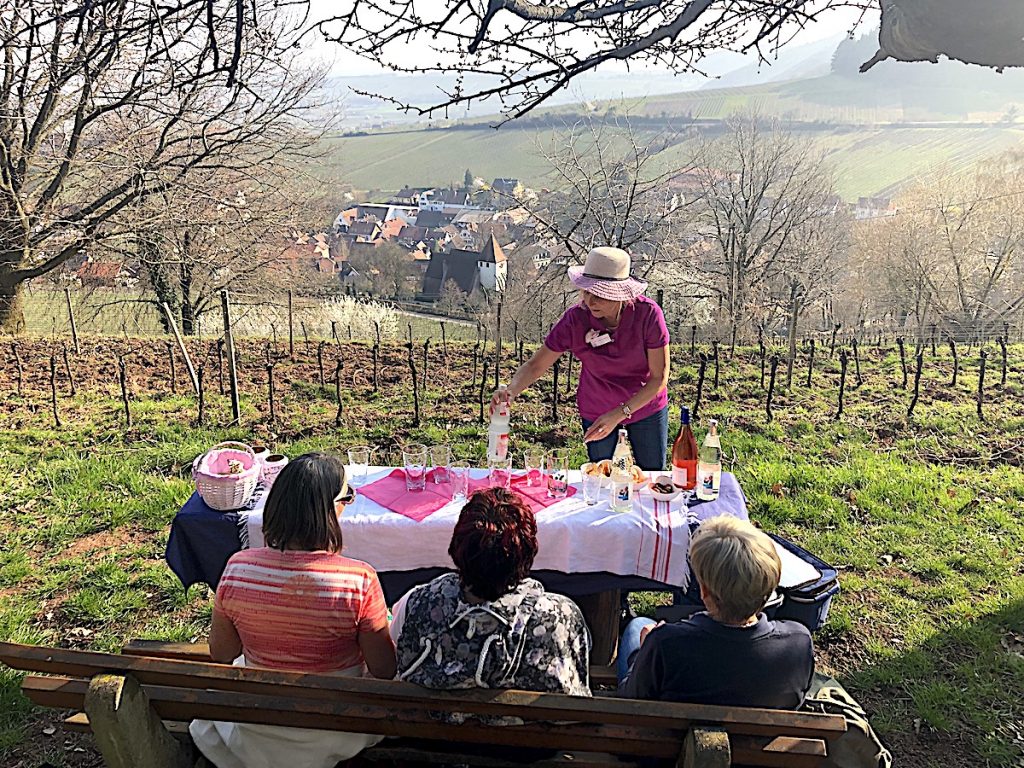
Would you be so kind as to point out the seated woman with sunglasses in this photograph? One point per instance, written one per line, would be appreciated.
(298, 605)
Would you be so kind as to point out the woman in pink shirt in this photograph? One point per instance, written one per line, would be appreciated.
(620, 337)
(299, 605)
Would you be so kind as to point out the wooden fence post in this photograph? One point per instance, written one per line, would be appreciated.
(229, 343)
(1002, 349)
(122, 378)
(844, 361)
(701, 371)
(917, 384)
(73, 390)
(337, 391)
(856, 361)
(444, 342)
(426, 369)
(554, 391)
(320, 362)
(53, 391)
(181, 346)
(981, 384)
(956, 358)
(291, 329)
(835, 331)
(903, 360)
(71, 317)
(771, 387)
(415, 386)
(761, 352)
(810, 364)
(201, 404)
(305, 335)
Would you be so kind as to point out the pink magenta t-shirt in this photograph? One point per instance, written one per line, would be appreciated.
(615, 372)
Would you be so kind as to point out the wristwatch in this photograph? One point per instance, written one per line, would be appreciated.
(626, 410)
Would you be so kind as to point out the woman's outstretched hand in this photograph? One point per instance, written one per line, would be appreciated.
(497, 397)
(604, 426)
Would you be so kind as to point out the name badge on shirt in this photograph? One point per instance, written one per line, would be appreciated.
(597, 339)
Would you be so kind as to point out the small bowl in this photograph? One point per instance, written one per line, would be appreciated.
(663, 496)
(643, 482)
(605, 480)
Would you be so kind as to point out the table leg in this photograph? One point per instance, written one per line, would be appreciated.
(601, 611)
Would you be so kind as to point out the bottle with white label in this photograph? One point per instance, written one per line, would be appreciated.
(622, 475)
(709, 465)
(497, 432)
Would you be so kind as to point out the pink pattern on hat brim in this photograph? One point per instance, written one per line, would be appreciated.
(613, 290)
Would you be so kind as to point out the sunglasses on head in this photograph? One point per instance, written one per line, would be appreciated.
(348, 497)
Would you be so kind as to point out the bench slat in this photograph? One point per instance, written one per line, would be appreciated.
(783, 752)
(407, 697)
(600, 675)
(185, 704)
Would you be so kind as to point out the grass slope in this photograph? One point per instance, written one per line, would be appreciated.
(925, 519)
(868, 161)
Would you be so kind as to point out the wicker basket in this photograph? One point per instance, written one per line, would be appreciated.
(219, 489)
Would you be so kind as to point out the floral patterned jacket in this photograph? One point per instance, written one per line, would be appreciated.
(527, 639)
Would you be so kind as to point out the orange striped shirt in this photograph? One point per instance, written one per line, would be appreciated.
(300, 610)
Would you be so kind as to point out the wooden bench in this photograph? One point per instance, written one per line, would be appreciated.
(131, 699)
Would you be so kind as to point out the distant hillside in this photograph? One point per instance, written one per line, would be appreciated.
(868, 161)
(880, 129)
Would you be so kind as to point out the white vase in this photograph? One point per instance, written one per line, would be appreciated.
(272, 466)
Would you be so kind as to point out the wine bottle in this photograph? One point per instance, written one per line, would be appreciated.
(684, 454)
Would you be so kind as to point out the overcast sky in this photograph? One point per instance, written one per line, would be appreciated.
(342, 62)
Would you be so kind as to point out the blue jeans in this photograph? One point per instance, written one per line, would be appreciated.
(630, 644)
(648, 437)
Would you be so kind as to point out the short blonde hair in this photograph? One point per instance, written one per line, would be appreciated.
(736, 563)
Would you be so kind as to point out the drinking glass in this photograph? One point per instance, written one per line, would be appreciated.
(591, 488)
(358, 463)
(557, 468)
(440, 458)
(499, 472)
(414, 457)
(533, 461)
(459, 472)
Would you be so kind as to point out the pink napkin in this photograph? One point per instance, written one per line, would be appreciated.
(390, 492)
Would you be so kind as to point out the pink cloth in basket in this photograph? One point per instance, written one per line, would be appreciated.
(391, 492)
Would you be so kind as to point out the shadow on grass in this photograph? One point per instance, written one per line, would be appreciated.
(956, 699)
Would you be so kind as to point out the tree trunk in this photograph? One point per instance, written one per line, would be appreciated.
(9, 310)
(188, 311)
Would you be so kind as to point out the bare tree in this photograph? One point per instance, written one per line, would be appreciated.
(760, 185)
(110, 102)
(954, 254)
(808, 269)
(521, 52)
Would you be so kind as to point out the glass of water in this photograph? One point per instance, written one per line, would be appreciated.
(459, 472)
(414, 457)
(591, 488)
(556, 465)
(533, 461)
(500, 472)
(440, 458)
(358, 463)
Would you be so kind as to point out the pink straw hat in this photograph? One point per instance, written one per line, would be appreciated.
(606, 274)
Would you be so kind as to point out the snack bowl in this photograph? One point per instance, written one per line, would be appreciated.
(661, 481)
(640, 479)
(603, 468)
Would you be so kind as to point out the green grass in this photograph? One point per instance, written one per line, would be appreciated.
(924, 518)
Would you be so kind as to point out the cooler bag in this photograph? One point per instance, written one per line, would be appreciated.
(807, 587)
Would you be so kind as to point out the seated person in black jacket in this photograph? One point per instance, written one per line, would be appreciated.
(731, 654)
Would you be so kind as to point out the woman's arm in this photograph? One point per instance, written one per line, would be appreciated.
(225, 644)
(658, 364)
(379, 652)
(529, 372)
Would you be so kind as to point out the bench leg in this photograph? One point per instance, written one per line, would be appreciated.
(127, 730)
(706, 748)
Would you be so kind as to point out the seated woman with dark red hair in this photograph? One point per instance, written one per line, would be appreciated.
(489, 625)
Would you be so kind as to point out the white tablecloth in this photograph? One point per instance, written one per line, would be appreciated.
(651, 541)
